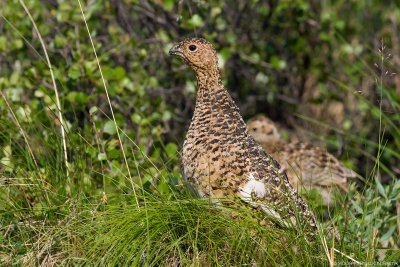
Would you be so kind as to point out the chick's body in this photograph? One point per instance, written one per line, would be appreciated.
(219, 156)
(306, 165)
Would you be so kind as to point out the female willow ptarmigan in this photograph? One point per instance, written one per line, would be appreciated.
(221, 159)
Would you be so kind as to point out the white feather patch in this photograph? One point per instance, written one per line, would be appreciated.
(257, 188)
(253, 186)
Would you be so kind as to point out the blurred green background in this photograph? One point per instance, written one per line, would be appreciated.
(280, 58)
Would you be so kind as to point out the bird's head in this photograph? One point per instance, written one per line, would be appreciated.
(198, 53)
(263, 130)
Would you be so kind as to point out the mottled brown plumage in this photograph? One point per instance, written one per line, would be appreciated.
(306, 165)
(220, 158)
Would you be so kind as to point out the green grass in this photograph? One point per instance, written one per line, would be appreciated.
(97, 221)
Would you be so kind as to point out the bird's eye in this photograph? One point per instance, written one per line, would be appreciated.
(192, 48)
(255, 129)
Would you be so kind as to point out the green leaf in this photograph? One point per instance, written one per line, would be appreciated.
(357, 207)
(60, 40)
(136, 118)
(77, 97)
(255, 57)
(109, 128)
(93, 110)
(3, 43)
(18, 43)
(389, 233)
(102, 156)
(278, 63)
(113, 153)
(195, 21)
(347, 124)
(74, 72)
(171, 149)
(262, 78)
(90, 68)
(380, 188)
(153, 82)
(119, 73)
(87, 180)
(190, 87)
(168, 4)
(108, 72)
(166, 115)
(7, 152)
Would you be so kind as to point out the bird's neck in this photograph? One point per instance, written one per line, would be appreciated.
(210, 89)
(213, 100)
(208, 79)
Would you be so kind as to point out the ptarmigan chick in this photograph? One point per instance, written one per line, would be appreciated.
(306, 165)
(221, 159)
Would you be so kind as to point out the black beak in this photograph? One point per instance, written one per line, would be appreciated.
(175, 51)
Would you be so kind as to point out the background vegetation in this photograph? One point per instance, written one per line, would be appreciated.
(325, 66)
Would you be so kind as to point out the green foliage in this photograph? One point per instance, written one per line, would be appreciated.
(373, 221)
(278, 57)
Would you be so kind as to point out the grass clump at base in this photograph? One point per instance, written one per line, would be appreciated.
(189, 232)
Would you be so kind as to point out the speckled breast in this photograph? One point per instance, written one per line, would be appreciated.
(214, 153)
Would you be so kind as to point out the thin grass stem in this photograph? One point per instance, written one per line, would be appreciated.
(60, 117)
(110, 105)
